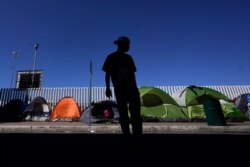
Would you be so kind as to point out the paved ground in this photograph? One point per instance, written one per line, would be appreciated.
(114, 128)
(75, 143)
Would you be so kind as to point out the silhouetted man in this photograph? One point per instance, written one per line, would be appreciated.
(120, 67)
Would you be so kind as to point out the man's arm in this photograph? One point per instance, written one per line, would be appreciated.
(107, 81)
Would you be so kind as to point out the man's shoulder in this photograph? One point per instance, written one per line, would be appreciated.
(109, 56)
(119, 56)
(118, 53)
(112, 54)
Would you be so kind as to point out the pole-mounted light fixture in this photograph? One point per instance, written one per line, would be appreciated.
(15, 54)
(34, 64)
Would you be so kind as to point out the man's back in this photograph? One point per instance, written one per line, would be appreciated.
(121, 68)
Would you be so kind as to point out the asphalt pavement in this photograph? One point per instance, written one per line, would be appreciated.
(162, 143)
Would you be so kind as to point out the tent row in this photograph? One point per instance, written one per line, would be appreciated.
(156, 105)
(192, 103)
(66, 109)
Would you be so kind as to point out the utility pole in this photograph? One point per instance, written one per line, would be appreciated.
(34, 64)
(15, 54)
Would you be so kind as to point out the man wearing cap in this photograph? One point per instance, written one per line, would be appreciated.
(120, 68)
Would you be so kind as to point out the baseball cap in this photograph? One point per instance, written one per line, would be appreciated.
(122, 39)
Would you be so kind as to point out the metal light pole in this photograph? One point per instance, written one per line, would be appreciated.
(15, 54)
(34, 64)
(90, 89)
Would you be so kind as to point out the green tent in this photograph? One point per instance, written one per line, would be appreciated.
(192, 95)
(196, 113)
(159, 105)
(164, 112)
(209, 98)
(230, 112)
(152, 96)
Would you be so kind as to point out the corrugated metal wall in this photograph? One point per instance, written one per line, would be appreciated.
(53, 95)
(82, 94)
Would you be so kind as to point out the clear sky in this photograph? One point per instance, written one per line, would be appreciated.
(173, 42)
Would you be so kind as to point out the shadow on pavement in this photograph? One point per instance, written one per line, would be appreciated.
(113, 150)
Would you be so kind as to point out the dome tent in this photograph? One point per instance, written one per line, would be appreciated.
(13, 111)
(230, 112)
(101, 111)
(242, 102)
(37, 110)
(159, 105)
(66, 110)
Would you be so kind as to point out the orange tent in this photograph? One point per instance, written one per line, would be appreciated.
(66, 109)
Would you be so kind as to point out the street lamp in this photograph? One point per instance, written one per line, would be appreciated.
(34, 64)
(15, 54)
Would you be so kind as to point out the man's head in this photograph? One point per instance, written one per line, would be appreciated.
(123, 43)
(122, 40)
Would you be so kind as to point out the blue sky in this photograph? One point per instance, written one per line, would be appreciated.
(173, 42)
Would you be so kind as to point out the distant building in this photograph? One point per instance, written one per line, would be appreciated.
(29, 79)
